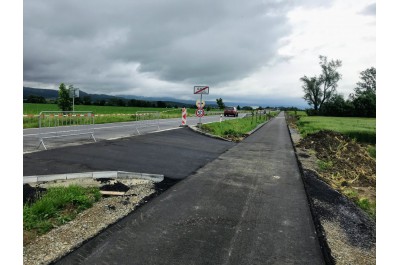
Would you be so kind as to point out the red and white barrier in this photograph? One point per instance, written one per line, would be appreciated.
(183, 116)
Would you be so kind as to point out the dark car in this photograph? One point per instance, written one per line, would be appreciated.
(231, 111)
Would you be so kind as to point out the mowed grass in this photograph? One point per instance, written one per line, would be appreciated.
(361, 129)
(57, 206)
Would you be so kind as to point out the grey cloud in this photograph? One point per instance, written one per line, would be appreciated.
(104, 45)
(369, 10)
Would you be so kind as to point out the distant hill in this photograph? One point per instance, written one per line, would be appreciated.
(46, 93)
(51, 94)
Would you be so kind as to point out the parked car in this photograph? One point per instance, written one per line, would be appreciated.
(231, 111)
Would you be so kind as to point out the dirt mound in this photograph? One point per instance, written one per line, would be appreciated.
(117, 186)
(31, 194)
(342, 161)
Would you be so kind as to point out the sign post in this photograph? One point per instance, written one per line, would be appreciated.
(74, 92)
(200, 104)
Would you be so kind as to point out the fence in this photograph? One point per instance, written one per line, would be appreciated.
(146, 119)
(56, 124)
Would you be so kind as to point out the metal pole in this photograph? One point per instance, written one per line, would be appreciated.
(73, 99)
(201, 101)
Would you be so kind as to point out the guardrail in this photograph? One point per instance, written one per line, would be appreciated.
(57, 124)
(147, 119)
(209, 113)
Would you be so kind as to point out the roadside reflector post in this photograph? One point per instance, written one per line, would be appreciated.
(184, 115)
(220, 118)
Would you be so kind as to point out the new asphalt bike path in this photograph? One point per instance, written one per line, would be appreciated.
(248, 206)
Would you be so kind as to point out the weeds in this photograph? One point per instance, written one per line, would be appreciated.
(368, 206)
(57, 206)
(325, 165)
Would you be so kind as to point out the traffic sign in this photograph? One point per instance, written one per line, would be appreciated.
(199, 112)
(200, 105)
(201, 90)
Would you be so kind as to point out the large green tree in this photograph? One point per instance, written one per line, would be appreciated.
(64, 101)
(220, 103)
(312, 91)
(319, 89)
(364, 97)
(368, 82)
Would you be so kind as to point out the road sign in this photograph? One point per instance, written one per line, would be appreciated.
(74, 92)
(200, 104)
(201, 90)
(199, 112)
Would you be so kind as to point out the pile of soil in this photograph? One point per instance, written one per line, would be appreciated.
(333, 166)
(345, 162)
(31, 194)
(116, 186)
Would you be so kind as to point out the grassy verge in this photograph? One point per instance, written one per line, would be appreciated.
(346, 166)
(236, 129)
(56, 207)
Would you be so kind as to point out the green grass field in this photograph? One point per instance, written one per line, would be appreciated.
(361, 129)
(33, 110)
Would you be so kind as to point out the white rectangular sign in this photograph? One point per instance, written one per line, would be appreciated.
(201, 90)
(74, 91)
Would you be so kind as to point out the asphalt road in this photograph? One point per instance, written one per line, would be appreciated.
(175, 153)
(103, 132)
(248, 206)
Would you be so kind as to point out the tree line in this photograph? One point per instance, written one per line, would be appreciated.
(64, 101)
(320, 92)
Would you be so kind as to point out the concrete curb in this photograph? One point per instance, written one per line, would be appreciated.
(93, 175)
(195, 129)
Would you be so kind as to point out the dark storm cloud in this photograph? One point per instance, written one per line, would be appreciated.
(105, 45)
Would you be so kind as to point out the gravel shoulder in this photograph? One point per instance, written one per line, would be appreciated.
(62, 240)
(346, 233)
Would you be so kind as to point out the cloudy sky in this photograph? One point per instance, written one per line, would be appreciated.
(246, 51)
